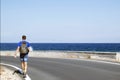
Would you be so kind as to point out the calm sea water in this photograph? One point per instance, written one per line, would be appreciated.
(103, 47)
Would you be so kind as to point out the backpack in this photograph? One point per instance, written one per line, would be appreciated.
(23, 48)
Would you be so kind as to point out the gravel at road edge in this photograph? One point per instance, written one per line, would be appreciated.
(7, 74)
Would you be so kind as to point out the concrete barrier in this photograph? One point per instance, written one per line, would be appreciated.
(118, 57)
(65, 54)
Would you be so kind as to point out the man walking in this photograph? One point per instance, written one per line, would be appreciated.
(23, 48)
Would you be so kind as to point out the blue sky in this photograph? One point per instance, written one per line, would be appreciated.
(61, 21)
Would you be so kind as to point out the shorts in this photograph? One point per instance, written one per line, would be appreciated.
(24, 58)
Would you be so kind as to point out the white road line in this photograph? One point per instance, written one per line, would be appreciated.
(100, 61)
(27, 77)
(114, 63)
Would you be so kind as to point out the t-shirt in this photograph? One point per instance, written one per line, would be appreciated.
(20, 43)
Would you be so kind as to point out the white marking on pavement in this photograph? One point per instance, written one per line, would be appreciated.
(115, 63)
(27, 77)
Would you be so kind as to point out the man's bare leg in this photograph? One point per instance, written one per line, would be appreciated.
(25, 67)
(22, 66)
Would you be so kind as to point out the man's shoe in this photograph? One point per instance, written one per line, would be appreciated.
(24, 75)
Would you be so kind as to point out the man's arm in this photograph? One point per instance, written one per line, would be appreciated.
(17, 51)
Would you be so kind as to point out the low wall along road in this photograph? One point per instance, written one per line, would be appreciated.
(118, 57)
(109, 56)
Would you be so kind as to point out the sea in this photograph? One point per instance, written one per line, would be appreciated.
(101, 47)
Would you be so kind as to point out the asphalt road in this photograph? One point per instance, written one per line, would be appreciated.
(67, 69)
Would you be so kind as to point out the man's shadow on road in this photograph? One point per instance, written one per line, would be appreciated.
(18, 72)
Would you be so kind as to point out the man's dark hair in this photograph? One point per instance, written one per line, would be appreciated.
(24, 37)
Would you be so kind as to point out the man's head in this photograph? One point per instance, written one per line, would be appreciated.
(23, 37)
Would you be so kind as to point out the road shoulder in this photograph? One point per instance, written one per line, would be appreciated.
(7, 74)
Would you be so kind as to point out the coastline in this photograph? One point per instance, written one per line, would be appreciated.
(107, 56)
